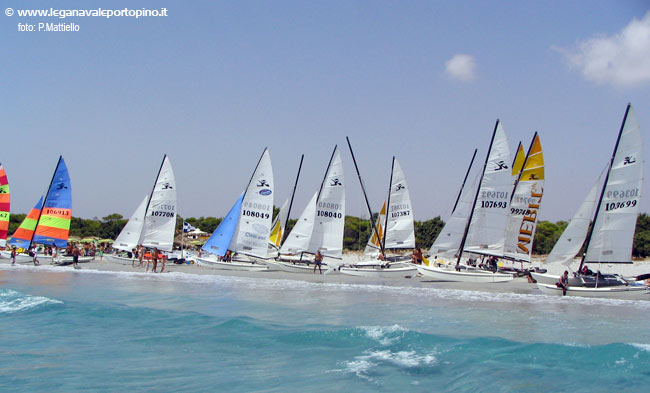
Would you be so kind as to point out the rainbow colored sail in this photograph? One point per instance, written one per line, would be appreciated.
(22, 238)
(4, 206)
(54, 224)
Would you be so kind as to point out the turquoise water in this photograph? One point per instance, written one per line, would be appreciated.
(65, 331)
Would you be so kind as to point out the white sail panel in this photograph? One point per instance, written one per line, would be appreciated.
(298, 239)
(329, 223)
(160, 218)
(448, 240)
(574, 235)
(254, 226)
(128, 238)
(400, 232)
(613, 231)
(374, 246)
(525, 205)
(487, 229)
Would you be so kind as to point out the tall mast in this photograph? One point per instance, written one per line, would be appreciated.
(292, 195)
(469, 168)
(326, 172)
(390, 188)
(151, 195)
(374, 228)
(478, 190)
(255, 170)
(521, 172)
(40, 213)
(602, 191)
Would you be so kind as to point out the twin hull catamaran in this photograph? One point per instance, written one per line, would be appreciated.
(153, 223)
(48, 223)
(320, 226)
(609, 238)
(246, 228)
(484, 229)
(394, 229)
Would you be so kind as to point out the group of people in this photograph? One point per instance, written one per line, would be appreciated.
(153, 257)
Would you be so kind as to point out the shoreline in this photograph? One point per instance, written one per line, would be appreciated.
(519, 285)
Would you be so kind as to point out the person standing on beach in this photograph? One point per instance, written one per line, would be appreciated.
(75, 256)
(154, 259)
(35, 255)
(318, 260)
(140, 252)
(13, 255)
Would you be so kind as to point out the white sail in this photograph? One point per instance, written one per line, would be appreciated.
(377, 233)
(252, 234)
(400, 232)
(329, 223)
(300, 235)
(160, 218)
(574, 235)
(613, 229)
(487, 229)
(129, 237)
(448, 240)
(525, 205)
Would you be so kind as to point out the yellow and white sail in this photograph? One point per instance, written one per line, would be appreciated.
(374, 242)
(277, 229)
(525, 204)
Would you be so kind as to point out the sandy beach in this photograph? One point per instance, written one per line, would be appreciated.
(519, 285)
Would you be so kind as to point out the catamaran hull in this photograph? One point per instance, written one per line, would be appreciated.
(298, 267)
(550, 279)
(629, 292)
(452, 275)
(68, 260)
(377, 272)
(120, 260)
(235, 265)
(24, 258)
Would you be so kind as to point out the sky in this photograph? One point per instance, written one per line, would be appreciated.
(213, 83)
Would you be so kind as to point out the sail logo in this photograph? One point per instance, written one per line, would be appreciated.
(167, 186)
(529, 223)
(533, 177)
(629, 160)
(501, 165)
(263, 183)
(61, 186)
(336, 182)
(265, 192)
(2, 191)
(399, 186)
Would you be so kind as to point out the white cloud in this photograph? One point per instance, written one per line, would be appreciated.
(622, 59)
(461, 67)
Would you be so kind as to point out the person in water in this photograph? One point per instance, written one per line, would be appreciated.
(75, 256)
(564, 282)
(154, 259)
(318, 260)
(13, 255)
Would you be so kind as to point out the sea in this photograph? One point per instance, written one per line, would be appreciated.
(64, 330)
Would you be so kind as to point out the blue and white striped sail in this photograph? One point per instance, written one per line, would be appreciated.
(220, 239)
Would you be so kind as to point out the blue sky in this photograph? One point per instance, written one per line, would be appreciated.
(213, 83)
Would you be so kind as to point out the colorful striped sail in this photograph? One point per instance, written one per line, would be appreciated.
(25, 232)
(54, 225)
(374, 244)
(4, 206)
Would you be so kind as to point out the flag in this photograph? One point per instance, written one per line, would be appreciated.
(187, 227)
